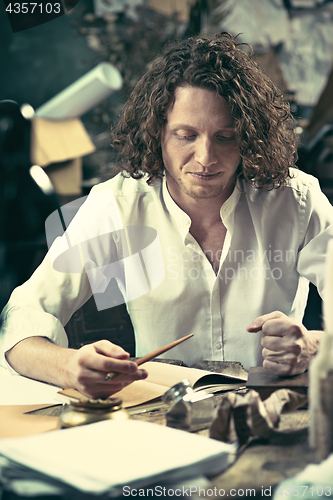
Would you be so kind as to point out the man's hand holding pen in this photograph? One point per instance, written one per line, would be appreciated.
(93, 362)
(106, 362)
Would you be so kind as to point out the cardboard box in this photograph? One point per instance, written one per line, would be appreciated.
(58, 146)
(170, 7)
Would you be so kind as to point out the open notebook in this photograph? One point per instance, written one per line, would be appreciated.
(161, 377)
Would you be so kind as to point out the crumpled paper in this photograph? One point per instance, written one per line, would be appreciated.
(244, 417)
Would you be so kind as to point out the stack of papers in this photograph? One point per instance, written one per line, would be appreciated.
(18, 390)
(20, 395)
(106, 457)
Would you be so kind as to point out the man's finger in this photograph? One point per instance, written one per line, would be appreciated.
(121, 377)
(109, 349)
(259, 322)
(278, 368)
(287, 358)
(108, 379)
(106, 364)
(89, 358)
(278, 341)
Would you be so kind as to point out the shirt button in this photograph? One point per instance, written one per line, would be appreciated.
(218, 345)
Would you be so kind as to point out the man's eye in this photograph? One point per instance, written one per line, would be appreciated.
(225, 138)
(186, 137)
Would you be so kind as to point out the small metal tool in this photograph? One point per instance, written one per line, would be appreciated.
(188, 410)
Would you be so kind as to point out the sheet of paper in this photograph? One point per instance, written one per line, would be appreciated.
(15, 422)
(108, 455)
(18, 390)
(134, 394)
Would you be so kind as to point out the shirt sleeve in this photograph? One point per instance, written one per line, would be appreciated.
(42, 306)
(317, 228)
(64, 281)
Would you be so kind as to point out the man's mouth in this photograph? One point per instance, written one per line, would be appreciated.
(204, 175)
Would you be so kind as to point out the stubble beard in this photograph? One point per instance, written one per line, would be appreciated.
(202, 192)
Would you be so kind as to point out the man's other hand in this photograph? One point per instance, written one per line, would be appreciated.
(288, 347)
(90, 364)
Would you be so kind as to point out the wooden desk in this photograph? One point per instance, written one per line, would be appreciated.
(264, 463)
(261, 465)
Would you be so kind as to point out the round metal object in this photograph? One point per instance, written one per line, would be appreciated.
(83, 412)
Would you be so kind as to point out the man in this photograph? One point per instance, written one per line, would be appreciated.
(207, 145)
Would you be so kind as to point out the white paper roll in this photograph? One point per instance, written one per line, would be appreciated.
(84, 94)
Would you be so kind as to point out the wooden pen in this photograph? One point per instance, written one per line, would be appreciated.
(149, 357)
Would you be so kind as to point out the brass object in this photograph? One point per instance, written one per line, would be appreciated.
(82, 412)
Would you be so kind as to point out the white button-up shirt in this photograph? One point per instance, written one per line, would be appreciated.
(275, 243)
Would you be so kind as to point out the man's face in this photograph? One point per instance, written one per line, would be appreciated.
(199, 148)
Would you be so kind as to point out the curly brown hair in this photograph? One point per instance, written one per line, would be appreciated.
(263, 124)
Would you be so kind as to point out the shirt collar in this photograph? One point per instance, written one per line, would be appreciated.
(229, 206)
(183, 220)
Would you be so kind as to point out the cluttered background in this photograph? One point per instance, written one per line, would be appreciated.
(292, 40)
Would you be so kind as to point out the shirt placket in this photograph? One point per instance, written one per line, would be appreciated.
(214, 306)
(216, 296)
(216, 321)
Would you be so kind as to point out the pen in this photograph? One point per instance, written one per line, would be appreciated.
(149, 356)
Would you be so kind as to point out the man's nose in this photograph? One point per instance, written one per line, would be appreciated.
(205, 153)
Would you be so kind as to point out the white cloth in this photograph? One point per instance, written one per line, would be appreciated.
(315, 481)
(276, 241)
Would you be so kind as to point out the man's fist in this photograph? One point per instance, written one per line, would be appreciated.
(288, 347)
